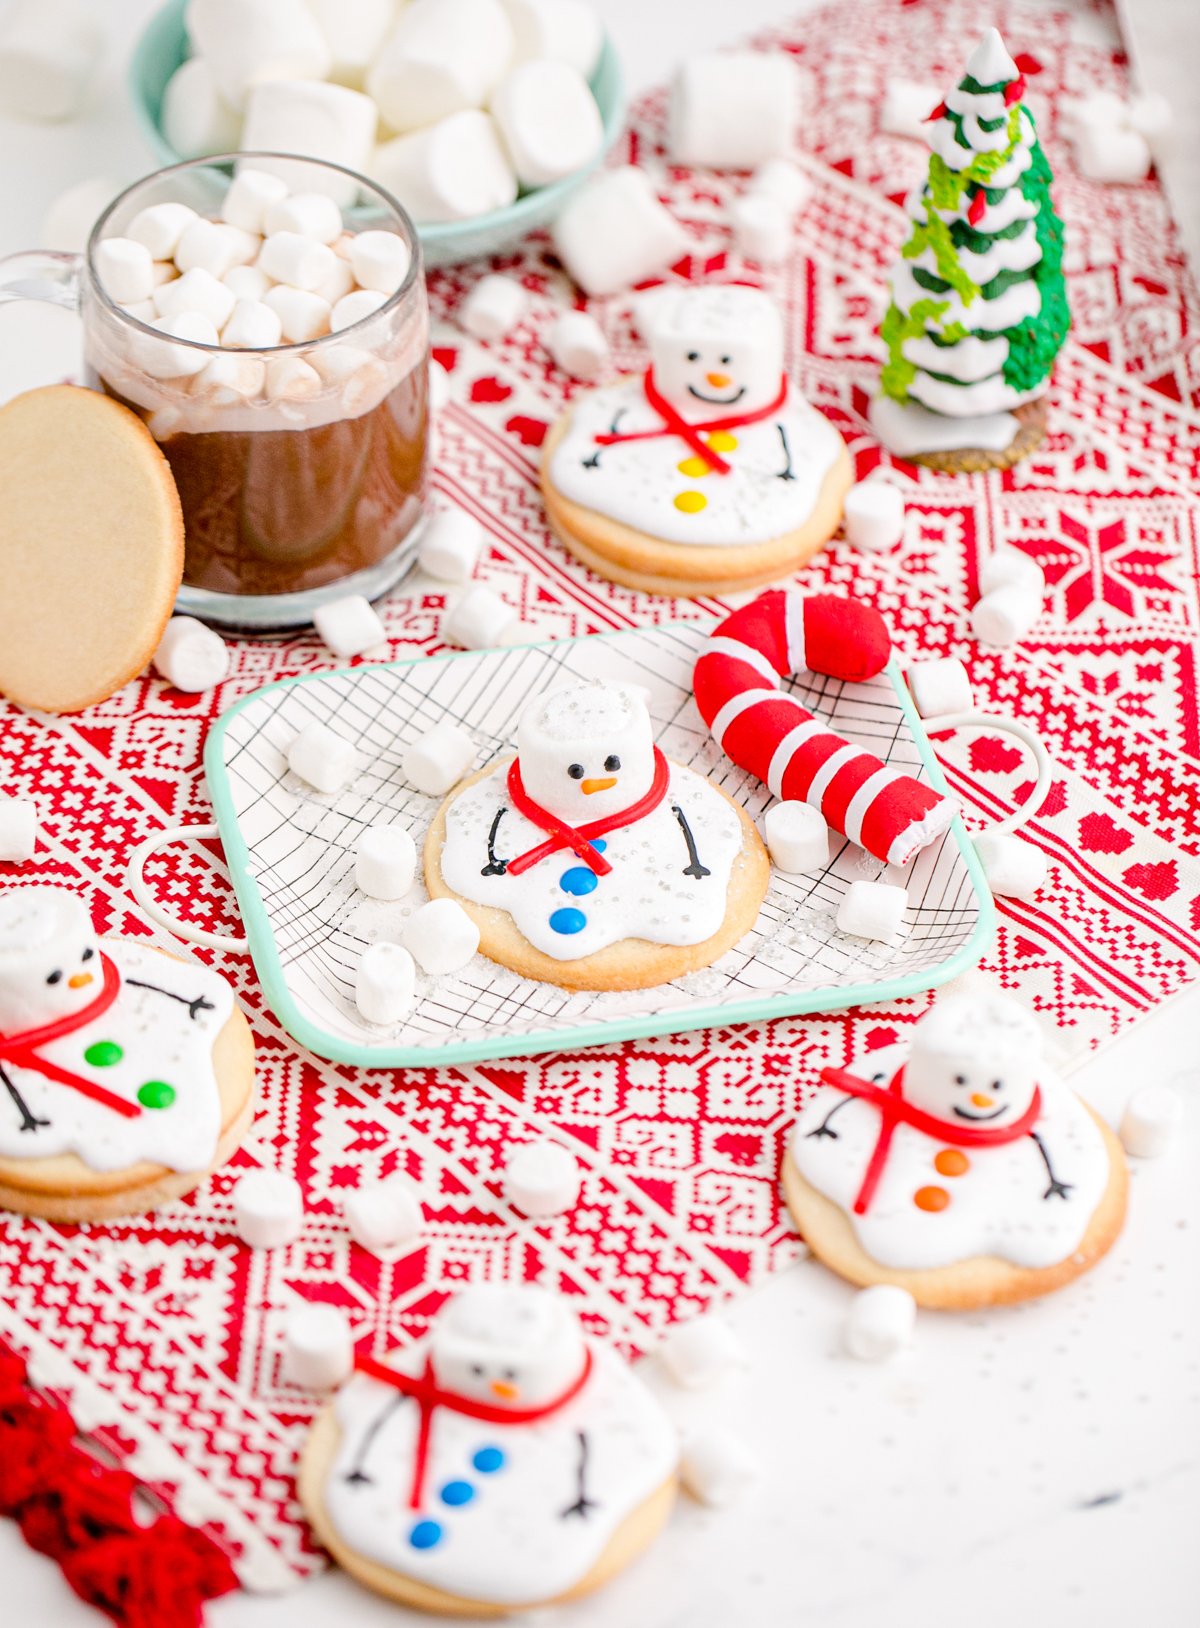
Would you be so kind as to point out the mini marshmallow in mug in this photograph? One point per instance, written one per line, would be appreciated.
(480, 620)
(733, 109)
(196, 119)
(356, 307)
(303, 316)
(715, 344)
(196, 291)
(438, 759)
(252, 325)
(441, 937)
(191, 656)
(322, 758)
(308, 214)
(247, 283)
(576, 342)
(874, 516)
(124, 269)
(291, 378)
(380, 260)
(797, 837)
(385, 983)
(548, 121)
(166, 361)
(541, 1178)
(213, 246)
(872, 910)
(268, 1208)
(385, 861)
(451, 544)
(442, 57)
(18, 829)
(940, 687)
(453, 170)
(159, 227)
(349, 626)
(251, 193)
(494, 307)
(382, 1214)
(297, 261)
(317, 121)
(229, 378)
(614, 232)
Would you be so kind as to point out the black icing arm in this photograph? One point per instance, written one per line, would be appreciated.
(693, 866)
(357, 1471)
(494, 866)
(1056, 1189)
(787, 472)
(583, 1505)
(200, 1004)
(823, 1128)
(29, 1122)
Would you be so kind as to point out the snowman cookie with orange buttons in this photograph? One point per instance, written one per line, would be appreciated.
(503, 1463)
(957, 1167)
(590, 860)
(710, 472)
(126, 1075)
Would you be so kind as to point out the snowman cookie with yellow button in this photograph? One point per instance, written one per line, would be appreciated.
(126, 1075)
(957, 1167)
(504, 1463)
(710, 472)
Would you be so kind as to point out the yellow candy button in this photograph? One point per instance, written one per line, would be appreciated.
(694, 468)
(691, 502)
(721, 441)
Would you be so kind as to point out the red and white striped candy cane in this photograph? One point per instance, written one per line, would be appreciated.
(772, 735)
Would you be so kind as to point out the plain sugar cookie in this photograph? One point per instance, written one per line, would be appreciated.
(91, 547)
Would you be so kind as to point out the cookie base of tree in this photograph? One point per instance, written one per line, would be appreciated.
(1032, 420)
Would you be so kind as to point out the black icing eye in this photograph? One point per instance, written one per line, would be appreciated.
(960, 1079)
(612, 764)
(477, 1370)
(693, 356)
(725, 361)
(87, 954)
(510, 1373)
(576, 771)
(997, 1085)
(54, 978)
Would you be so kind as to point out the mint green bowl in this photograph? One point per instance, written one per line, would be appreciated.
(163, 46)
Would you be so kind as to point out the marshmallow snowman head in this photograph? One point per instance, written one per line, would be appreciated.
(714, 349)
(586, 752)
(510, 1345)
(49, 957)
(974, 1061)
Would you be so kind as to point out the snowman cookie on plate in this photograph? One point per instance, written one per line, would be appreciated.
(957, 1167)
(504, 1463)
(710, 473)
(590, 860)
(126, 1075)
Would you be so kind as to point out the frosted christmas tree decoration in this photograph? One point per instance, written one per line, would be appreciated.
(978, 308)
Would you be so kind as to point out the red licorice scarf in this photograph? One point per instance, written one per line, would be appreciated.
(579, 839)
(893, 1111)
(674, 423)
(22, 1049)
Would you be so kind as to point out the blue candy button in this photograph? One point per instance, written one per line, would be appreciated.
(457, 1492)
(488, 1460)
(568, 921)
(579, 880)
(599, 844)
(425, 1535)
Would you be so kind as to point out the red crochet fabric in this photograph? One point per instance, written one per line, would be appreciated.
(80, 1512)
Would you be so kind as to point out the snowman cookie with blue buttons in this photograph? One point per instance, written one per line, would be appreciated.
(590, 860)
(957, 1167)
(709, 473)
(126, 1075)
(505, 1462)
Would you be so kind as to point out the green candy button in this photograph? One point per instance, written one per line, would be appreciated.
(103, 1054)
(156, 1094)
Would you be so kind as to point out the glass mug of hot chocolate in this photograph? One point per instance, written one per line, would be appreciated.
(266, 317)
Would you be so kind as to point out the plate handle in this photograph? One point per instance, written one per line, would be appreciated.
(141, 891)
(1002, 724)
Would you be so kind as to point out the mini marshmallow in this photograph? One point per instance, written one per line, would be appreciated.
(541, 1179)
(784, 181)
(165, 361)
(1006, 615)
(315, 121)
(191, 656)
(382, 1214)
(797, 837)
(252, 325)
(318, 1347)
(454, 170)
(493, 308)
(251, 193)
(297, 261)
(562, 30)
(907, 104)
(548, 121)
(268, 1208)
(577, 343)
(144, 310)
(731, 110)
(701, 1352)
(68, 222)
(385, 983)
(247, 41)
(874, 516)
(349, 626)
(1102, 108)
(441, 937)
(18, 829)
(940, 687)
(450, 547)
(209, 245)
(614, 232)
(354, 31)
(291, 378)
(1151, 116)
(1108, 153)
(322, 758)
(308, 214)
(356, 307)
(159, 227)
(385, 862)
(48, 52)
(124, 269)
(442, 57)
(380, 260)
(1014, 868)
(196, 291)
(302, 315)
(231, 377)
(716, 1467)
(1010, 565)
(480, 620)
(1151, 1121)
(880, 1322)
(872, 910)
(762, 229)
(338, 284)
(196, 119)
(439, 759)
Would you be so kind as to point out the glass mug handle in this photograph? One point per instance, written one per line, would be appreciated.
(42, 274)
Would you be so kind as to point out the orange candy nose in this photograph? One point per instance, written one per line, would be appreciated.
(980, 1099)
(505, 1391)
(80, 981)
(587, 787)
(718, 380)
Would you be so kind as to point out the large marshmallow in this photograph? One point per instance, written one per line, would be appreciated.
(443, 56)
(297, 261)
(480, 620)
(124, 268)
(68, 222)
(548, 121)
(354, 32)
(494, 307)
(440, 937)
(383, 1214)
(880, 1323)
(385, 861)
(310, 214)
(196, 119)
(318, 1347)
(701, 1352)
(940, 687)
(246, 42)
(1151, 1121)
(541, 1179)
(438, 759)
(48, 52)
(197, 291)
(385, 983)
(159, 227)
(797, 837)
(576, 342)
(614, 232)
(731, 110)
(586, 751)
(716, 1467)
(972, 1055)
(872, 910)
(715, 346)
(314, 121)
(874, 516)
(349, 626)
(1014, 868)
(18, 829)
(252, 325)
(450, 546)
(561, 30)
(454, 170)
(268, 1208)
(191, 656)
(251, 193)
(379, 260)
(322, 758)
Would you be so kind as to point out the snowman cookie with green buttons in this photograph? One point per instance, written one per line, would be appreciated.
(710, 473)
(126, 1075)
(503, 1463)
(592, 861)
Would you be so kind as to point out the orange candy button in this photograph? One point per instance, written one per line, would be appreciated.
(951, 1162)
(931, 1198)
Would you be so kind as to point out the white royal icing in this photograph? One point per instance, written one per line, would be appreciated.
(159, 1041)
(1018, 301)
(511, 1541)
(647, 895)
(997, 1206)
(906, 428)
(636, 482)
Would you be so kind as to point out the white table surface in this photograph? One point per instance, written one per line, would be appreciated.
(1040, 1464)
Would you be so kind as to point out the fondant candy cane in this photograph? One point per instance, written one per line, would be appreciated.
(772, 735)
